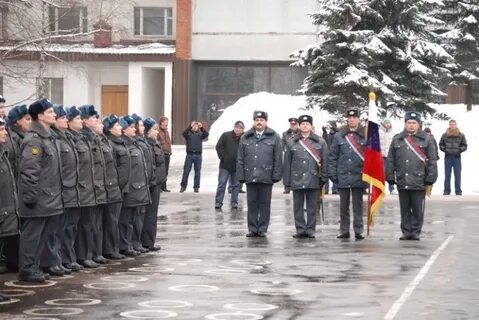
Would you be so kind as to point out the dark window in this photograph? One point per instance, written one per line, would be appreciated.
(221, 85)
(153, 21)
(1, 86)
(68, 20)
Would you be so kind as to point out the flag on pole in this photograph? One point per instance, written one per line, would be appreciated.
(373, 168)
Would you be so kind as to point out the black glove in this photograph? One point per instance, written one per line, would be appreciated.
(241, 181)
(428, 183)
(334, 180)
(391, 182)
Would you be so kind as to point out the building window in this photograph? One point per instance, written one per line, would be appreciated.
(68, 20)
(1, 86)
(221, 85)
(153, 21)
(53, 89)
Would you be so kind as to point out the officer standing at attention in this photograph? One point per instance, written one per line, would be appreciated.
(39, 190)
(84, 238)
(305, 173)
(345, 167)
(8, 196)
(91, 121)
(68, 224)
(287, 135)
(412, 165)
(259, 165)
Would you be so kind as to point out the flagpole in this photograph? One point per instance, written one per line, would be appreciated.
(371, 97)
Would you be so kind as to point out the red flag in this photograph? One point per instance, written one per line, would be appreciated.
(373, 167)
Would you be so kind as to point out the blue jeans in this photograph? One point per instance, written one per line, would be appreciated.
(191, 159)
(452, 162)
(223, 177)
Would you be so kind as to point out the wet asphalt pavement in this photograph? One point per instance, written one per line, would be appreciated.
(208, 269)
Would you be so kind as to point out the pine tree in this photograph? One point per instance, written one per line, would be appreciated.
(461, 38)
(385, 44)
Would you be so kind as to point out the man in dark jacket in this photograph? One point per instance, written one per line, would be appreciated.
(165, 143)
(453, 144)
(259, 165)
(292, 131)
(412, 165)
(305, 173)
(345, 166)
(329, 130)
(40, 190)
(194, 136)
(8, 196)
(227, 150)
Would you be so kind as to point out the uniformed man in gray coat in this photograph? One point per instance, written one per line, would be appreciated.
(84, 238)
(40, 190)
(91, 122)
(259, 165)
(8, 196)
(68, 224)
(305, 173)
(412, 165)
(345, 166)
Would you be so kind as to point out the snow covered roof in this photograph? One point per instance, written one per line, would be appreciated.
(88, 48)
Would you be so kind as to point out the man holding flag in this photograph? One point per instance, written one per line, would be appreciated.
(345, 166)
(373, 169)
(412, 165)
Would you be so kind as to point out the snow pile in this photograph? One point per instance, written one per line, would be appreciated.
(282, 107)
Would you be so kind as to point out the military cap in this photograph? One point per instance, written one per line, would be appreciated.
(2, 99)
(59, 111)
(260, 114)
(412, 115)
(352, 113)
(239, 124)
(16, 113)
(109, 122)
(290, 120)
(87, 111)
(39, 106)
(136, 117)
(306, 118)
(149, 123)
(2, 122)
(72, 112)
(126, 121)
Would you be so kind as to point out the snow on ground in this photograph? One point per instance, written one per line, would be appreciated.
(282, 107)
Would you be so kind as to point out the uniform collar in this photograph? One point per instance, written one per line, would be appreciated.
(40, 130)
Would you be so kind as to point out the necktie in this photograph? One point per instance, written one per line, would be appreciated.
(258, 135)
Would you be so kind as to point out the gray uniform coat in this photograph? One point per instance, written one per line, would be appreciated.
(300, 169)
(148, 154)
(122, 161)
(12, 147)
(138, 189)
(260, 160)
(345, 167)
(98, 165)
(69, 168)
(405, 168)
(159, 174)
(85, 162)
(39, 182)
(113, 191)
(8, 197)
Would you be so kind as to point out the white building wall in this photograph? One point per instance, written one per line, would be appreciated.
(267, 30)
(81, 81)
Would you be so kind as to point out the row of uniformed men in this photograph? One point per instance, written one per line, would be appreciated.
(88, 190)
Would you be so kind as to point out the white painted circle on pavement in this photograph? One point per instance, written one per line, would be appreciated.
(17, 292)
(276, 291)
(66, 276)
(10, 301)
(149, 314)
(108, 285)
(226, 271)
(152, 269)
(124, 278)
(354, 314)
(165, 304)
(194, 288)
(114, 263)
(16, 284)
(73, 302)
(53, 311)
(250, 306)
(234, 316)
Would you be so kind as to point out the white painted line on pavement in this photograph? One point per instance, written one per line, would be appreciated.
(415, 282)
